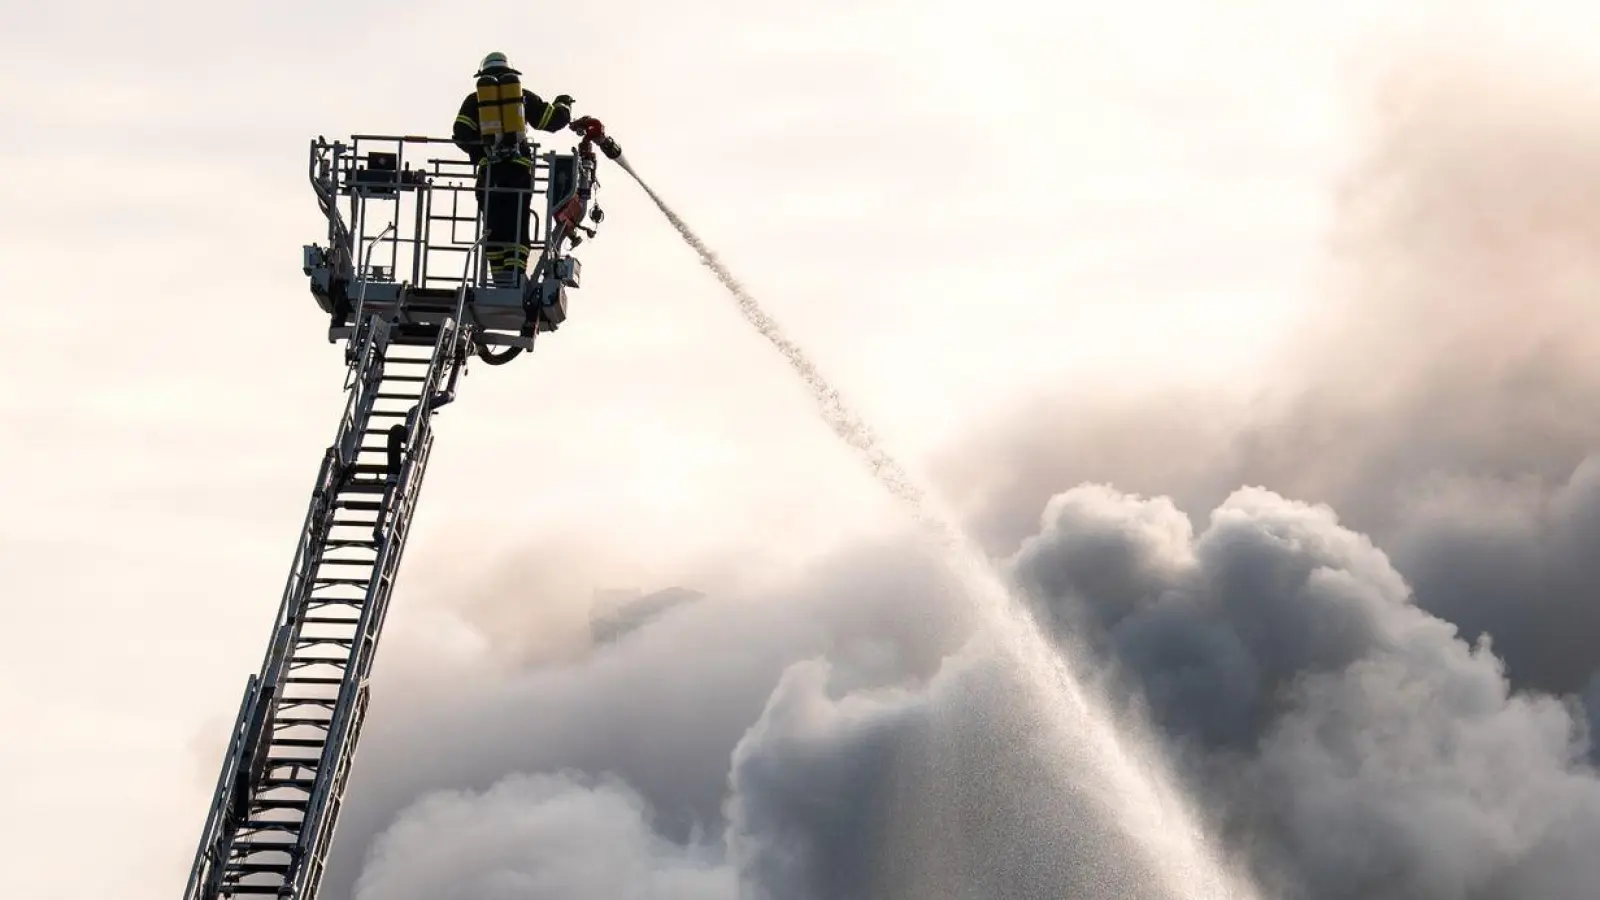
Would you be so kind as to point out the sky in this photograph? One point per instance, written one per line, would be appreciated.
(1036, 247)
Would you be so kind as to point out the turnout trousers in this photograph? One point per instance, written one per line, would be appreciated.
(505, 194)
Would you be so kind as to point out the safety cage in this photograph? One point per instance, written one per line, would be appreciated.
(405, 240)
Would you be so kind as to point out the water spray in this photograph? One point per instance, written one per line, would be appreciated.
(1144, 802)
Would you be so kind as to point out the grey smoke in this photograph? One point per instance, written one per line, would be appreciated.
(946, 789)
(1361, 613)
(1591, 704)
(841, 739)
(552, 835)
(1367, 749)
(661, 707)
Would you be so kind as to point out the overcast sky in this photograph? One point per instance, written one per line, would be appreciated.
(946, 203)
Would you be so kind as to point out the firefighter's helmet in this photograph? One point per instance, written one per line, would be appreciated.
(495, 61)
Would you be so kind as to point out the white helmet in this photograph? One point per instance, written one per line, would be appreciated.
(496, 60)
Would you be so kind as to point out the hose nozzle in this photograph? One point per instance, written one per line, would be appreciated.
(594, 131)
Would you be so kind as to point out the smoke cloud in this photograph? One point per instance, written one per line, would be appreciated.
(1443, 398)
(1367, 749)
(1405, 722)
(842, 738)
(1358, 610)
(538, 836)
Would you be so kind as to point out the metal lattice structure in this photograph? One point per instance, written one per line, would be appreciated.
(278, 795)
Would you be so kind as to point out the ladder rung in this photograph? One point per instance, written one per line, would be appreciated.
(298, 742)
(287, 833)
(264, 805)
(341, 644)
(327, 703)
(352, 602)
(312, 679)
(365, 543)
(301, 662)
(305, 642)
(260, 868)
(344, 645)
(369, 505)
(319, 596)
(270, 826)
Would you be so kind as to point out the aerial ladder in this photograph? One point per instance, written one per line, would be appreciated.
(405, 282)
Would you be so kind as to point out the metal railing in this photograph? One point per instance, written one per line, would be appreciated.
(407, 208)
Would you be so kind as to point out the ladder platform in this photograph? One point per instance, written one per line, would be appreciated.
(487, 309)
(407, 243)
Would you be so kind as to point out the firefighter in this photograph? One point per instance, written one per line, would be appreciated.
(490, 129)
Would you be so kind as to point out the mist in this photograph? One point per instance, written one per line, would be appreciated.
(1357, 608)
